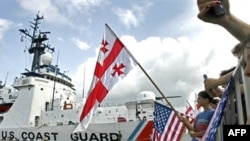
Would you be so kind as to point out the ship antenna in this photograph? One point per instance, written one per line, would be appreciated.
(1, 86)
(6, 78)
(83, 82)
(54, 87)
(37, 47)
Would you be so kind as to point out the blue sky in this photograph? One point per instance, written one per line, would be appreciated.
(165, 36)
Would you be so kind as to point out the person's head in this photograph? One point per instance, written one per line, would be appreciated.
(215, 102)
(237, 50)
(204, 98)
(246, 57)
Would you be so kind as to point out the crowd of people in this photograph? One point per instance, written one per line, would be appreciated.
(218, 12)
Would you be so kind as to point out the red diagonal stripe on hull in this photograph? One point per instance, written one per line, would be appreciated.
(146, 132)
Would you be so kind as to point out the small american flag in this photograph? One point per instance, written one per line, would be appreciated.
(189, 113)
(167, 126)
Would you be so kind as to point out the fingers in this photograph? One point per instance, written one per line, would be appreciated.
(204, 8)
(203, 12)
(210, 83)
(203, 4)
(180, 116)
(206, 84)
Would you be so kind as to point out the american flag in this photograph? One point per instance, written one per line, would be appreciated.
(189, 113)
(167, 126)
(216, 119)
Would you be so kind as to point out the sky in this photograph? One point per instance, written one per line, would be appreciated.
(165, 36)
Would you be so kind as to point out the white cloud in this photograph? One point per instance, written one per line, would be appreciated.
(80, 44)
(4, 26)
(132, 17)
(164, 60)
(127, 17)
(176, 65)
(241, 9)
(86, 3)
(81, 8)
(45, 7)
(60, 39)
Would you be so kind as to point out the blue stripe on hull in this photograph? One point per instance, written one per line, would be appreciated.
(133, 134)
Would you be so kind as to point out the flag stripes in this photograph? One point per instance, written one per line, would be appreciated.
(167, 126)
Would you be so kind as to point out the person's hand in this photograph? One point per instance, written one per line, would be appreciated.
(216, 92)
(181, 117)
(192, 133)
(205, 15)
(210, 83)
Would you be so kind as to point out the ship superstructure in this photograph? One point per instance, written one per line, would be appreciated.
(43, 104)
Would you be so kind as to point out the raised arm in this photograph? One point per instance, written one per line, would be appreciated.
(238, 28)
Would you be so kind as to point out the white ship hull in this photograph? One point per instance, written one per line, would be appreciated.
(129, 131)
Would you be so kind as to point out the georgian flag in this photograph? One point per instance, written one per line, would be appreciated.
(113, 64)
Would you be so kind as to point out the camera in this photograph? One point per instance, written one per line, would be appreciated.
(218, 11)
(204, 76)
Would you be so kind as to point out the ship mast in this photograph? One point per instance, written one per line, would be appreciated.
(37, 46)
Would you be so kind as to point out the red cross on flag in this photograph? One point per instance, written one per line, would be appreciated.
(113, 64)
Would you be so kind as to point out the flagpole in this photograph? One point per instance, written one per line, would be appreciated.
(189, 104)
(151, 80)
(156, 86)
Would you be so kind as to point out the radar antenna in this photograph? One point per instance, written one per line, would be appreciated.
(37, 46)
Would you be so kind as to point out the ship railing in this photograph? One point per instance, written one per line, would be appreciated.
(237, 108)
